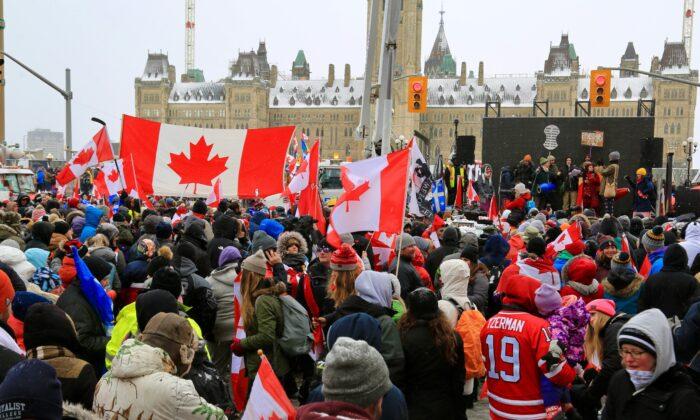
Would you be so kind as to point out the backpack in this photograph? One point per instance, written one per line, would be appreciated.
(469, 326)
(203, 307)
(296, 339)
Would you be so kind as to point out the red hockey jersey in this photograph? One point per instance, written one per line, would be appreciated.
(512, 344)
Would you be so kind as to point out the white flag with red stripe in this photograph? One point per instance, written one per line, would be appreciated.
(110, 180)
(95, 151)
(215, 195)
(383, 248)
(305, 183)
(472, 196)
(267, 397)
(375, 195)
(239, 380)
(569, 236)
(177, 160)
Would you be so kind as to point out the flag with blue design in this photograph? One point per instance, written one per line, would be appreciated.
(94, 292)
(304, 145)
(439, 196)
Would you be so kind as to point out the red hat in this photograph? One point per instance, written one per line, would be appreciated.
(7, 292)
(581, 269)
(520, 291)
(576, 247)
(344, 258)
(73, 202)
(604, 306)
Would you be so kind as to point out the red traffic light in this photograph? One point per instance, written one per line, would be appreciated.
(417, 86)
(600, 80)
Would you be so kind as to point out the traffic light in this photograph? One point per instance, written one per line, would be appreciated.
(417, 94)
(600, 88)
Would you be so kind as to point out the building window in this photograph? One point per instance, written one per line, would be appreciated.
(666, 128)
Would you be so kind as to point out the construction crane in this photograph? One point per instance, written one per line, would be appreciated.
(688, 12)
(189, 36)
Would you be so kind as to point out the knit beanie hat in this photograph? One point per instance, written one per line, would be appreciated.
(405, 241)
(576, 247)
(98, 267)
(423, 304)
(620, 263)
(624, 222)
(46, 324)
(520, 189)
(78, 225)
(470, 252)
(614, 156)
(23, 301)
(153, 302)
(61, 227)
(167, 278)
(531, 233)
(31, 390)
(536, 246)
(590, 213)
(199, 207)
(636, 338)
(355, 373)
(653, 239)
(7, 292)
(604, 241)
(262, 241)
(164, 230)
(581, 269)
(256, 263)
(345, 258)
(604, 306)
(229, 254)
(547, 299)
(174, 334)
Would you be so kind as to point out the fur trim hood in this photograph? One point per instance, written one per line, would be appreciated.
(286, 238)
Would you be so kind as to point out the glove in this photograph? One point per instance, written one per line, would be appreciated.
(237, 348)
(554, 355)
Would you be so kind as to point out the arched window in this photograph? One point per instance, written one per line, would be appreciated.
(673, 128)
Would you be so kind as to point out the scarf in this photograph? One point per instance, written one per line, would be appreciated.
(583, 289)
(640, 378)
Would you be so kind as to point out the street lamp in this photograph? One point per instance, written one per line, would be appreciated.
(49, 159)
(456, 122)
(689, 147)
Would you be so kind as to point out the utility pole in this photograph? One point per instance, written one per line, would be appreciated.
(2, 73)
(392, 13)
(67, 95)
(365, 127)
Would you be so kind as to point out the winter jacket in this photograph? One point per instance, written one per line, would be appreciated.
(56, 240)
(692, 241)
(393, 403)
(609, 174)
(506, 179)
(672, 290)
(8, 358)
(641, 192)
(408, 276)
(142, 384)
(454, 293)
(198, 295)
(126, 326)
(433, 387)
(265, 329)
(77, 376)
(570, 175)
(318, 278)
(478, 290)
(225, 229)
(91, 333)
(206, 226)
(626, 297)
(525, 173)
(92, 219)
(332, 410)
(543, 176)
(113, 257)
(391, 350)
(221, 281)
(568, 325)
(449, 245)
(686, 338)
(671, 394)
(41, 236)
(195, 235)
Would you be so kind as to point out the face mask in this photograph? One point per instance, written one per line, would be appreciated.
(640, 378)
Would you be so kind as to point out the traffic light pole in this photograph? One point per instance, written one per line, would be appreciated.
(365, 127)
(657, 75)
(382, 130)
(67, 95)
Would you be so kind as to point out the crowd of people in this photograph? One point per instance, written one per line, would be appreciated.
(605, 324)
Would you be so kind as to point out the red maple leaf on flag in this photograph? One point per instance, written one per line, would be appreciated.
(198, 168)
(354, 194)
(83, 157)
(113, 176)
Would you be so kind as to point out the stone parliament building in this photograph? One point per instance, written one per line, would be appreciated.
(255, 94)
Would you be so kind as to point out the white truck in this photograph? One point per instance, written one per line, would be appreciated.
(15, 181)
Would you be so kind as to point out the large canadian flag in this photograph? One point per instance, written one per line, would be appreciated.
(267, 397)
(95, 151)
(110, 180)
(375, 195)
(178, 160)
(305, 183)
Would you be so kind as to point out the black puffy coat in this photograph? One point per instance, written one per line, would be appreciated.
(225, 229)
(673, 396)
(432, 386)
(41, 236)
(449, 244)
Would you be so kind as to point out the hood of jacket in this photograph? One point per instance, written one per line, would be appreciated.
(289, 237)
(519, 291)
(374, 287)
(225, 227)
(675, 259)
(692, 232)
(18, 261)
(136, 359)
(105, 253)
(42, 231)
(654, 325)
(226, 274)
(92, 216)
(495, 250)
(354, 304)
(454, 275)
(359, 326)
(450, 237)
(633, 280)
(187, 267)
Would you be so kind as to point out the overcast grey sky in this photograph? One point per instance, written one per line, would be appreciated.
(105, 43)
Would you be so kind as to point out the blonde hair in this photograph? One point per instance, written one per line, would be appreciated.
(97, 241)
(341, 285)
(593, 343)
(249, 283)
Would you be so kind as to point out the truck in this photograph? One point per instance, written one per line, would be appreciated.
(329, 182)
(16, 181)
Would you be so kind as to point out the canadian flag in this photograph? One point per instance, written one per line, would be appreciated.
(570, 235)
(215, 195)
(383, 248)
(110, 180)
(493, 210)
(472, 196)
(267, 397)
(95, 151)
(305, 183)
(375, 195)
(177, 160)
(431, 231)
(239, 380)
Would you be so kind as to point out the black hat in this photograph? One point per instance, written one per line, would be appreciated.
(31, 390)
(167, 278)
(636, 338)
(46, 324)
(164, 230)
(61, 227)
(98, 267)
(199, 207)
(154, 302)
(536, 246)
(423, 304)
(470, 252)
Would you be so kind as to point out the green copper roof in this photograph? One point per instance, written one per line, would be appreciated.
(448, 65)
(300, 61)
(572, 51)
(195, 75)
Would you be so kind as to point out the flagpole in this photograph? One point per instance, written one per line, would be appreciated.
(403, 217)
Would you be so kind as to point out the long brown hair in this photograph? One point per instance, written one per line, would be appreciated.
(250, 282)
(443, 334)
(341, 285)
(593, 343)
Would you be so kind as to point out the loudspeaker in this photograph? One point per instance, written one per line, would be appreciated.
(687, 200)
(652, 153)
(464, 150)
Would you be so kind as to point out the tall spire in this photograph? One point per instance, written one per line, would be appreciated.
(440, 62)
(442, 13)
